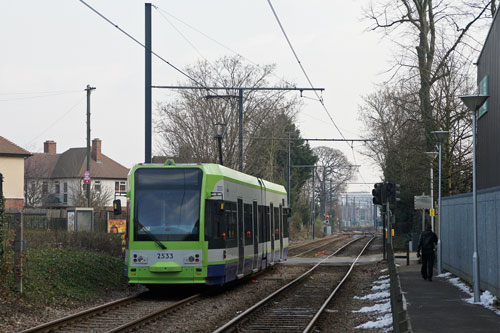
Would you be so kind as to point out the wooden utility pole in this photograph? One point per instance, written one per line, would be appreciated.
(86, 178)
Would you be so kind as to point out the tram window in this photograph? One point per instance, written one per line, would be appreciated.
(262, 225)
(268, 224)
(247, 227)
(286, 224)
(230, 215)
(214, 225)
(276, 222)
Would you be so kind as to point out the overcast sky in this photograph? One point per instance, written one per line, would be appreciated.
(52, 49)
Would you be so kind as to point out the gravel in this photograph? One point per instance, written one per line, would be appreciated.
(222, 304)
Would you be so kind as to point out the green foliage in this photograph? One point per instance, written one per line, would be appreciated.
(61, 277)
(106, 243)
(62, 268)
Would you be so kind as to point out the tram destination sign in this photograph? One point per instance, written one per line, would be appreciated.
(423, 202)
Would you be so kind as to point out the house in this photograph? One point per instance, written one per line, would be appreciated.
(56, 180)
(12, 159)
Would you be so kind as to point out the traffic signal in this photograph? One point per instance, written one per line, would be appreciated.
(378, 193)
(392, 192)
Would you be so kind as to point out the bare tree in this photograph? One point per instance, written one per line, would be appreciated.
(35, 182)
(428, 34)
(332, 165)
(187, 124)
(99, 198)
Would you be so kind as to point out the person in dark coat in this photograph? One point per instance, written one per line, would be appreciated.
(426, 244)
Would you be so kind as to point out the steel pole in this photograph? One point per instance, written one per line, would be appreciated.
(147, 84)
(240, 123)
(432, 192)
(289, 171)
(475, 255)
(439, 249)
(312, 202)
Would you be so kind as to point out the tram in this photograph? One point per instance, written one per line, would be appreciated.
(202, 224)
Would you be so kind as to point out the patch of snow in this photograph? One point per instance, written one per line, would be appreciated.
(460, 285)
(380, 308)
(486, 299)
(444, 275)
(381, 322)
(384, 270)
(383, 286)
(383, 277)
(371, 297)
(382, 281)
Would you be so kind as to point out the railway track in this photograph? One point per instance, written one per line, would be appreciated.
(296, 306)
(313, 246)
(118, 316)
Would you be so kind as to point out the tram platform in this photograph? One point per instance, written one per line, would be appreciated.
(439, 306)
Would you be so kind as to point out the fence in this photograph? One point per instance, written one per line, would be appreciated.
(457, 237)
(400, 320)
(45, 219)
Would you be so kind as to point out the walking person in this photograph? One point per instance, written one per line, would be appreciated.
(426, 243)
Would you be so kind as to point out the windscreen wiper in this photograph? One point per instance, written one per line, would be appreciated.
(151, 235)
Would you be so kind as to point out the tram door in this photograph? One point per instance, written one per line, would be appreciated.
(271, 224)
(281, 232)
(255, 235)
(241, 238)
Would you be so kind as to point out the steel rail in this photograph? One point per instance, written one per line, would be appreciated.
(317, 247)
(328, 241)
(62, 321)
(159, 313)
(245, 313)
(322, 308)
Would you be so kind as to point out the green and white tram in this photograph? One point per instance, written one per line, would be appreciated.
(203, 224)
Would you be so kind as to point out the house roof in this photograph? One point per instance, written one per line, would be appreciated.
(72, 163)
(8, 148)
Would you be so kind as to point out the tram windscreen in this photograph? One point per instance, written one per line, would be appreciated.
(167, 204)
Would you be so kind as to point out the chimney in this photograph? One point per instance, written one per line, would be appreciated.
(49, 147)
(96, 149)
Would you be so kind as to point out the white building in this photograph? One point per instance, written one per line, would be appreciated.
(56, 180)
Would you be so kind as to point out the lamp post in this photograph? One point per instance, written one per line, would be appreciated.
(432, 155)
(439, 136)
(473, 103)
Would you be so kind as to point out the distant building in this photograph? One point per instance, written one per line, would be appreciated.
(488, 124)
(12, 169)
(56, 180)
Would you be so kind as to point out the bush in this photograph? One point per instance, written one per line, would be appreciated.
(107, 243)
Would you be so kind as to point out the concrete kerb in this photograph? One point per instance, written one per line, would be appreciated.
(400, 319)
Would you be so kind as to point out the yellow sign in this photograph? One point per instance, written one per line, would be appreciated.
(117, 226)
(392, 232)
(432, 212)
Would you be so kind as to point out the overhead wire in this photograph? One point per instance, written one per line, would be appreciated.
(144, 46)
(219, 43)
(39, 95)
(310, 82)
(57, 120)
(303, 69)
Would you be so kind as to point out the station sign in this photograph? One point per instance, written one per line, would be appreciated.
(423, 202)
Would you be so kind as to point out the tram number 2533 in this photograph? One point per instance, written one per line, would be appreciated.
(164, 256)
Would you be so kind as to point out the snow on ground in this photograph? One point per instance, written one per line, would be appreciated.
(381, 322)
(383, 286)
(382, 305)
(384, 270)
(379, 307)
(486, 298)
(375, 296)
